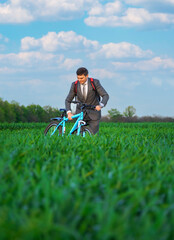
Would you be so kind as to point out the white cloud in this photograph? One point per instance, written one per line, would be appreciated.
(120, 50)
(59, 41)
(142, 13)
(10, 13)
(36, 60)
(70, 63)
(110, 8)
(24, 58)
(113, 13)
(102, 73)
(160, 6)
(20, 11)
(153, 64)
(131, 17)
(29, 42)
(149, 2)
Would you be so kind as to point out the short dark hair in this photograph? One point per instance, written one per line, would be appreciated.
(81, 71)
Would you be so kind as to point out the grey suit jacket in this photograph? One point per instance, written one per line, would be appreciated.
(91, 98)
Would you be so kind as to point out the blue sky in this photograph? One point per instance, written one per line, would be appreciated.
(128, 45)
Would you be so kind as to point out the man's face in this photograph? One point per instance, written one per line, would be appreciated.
(82, 78)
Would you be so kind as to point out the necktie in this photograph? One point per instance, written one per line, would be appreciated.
(84, 91)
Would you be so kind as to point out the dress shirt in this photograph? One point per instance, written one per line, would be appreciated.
(86, 88)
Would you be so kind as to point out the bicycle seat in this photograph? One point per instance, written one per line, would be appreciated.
(63, 110)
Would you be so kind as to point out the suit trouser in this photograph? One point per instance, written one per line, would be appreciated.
(93, 125)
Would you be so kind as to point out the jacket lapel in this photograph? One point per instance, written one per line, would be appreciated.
(89, 90)
(79, 91)
(81, 98)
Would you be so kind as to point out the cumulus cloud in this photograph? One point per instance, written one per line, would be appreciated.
(103, 73)
(141, 13)
(13, 13)
(135, 2)
(70, 63)
(58, 41)
(31, 60)
(24, 58)
(153, 64)
(54, 50)
(120, 50)
(126, 13)
(160, 6)
(110, 8)
(149, 3)
(131, 17)
(20, 11)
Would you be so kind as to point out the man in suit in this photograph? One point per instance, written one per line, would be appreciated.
(86, 94)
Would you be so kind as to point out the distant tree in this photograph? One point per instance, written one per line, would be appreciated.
(24, 115)
(2, 115)
(129, 111)
(16, 108)
(114, 114)
(10, 115)
(40, 113)
(51, 112)
(32, 115)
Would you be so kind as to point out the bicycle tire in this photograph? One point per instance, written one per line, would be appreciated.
(84, 132)
(51, 127)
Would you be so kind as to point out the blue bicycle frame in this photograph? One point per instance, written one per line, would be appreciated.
(77, 125)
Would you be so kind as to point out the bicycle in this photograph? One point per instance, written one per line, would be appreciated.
(79, 127)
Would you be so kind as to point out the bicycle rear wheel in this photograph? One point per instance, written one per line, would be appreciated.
(51, 127)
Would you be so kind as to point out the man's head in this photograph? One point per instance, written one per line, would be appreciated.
(82, 75)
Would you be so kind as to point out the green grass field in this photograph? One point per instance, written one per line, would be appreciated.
(115, 186)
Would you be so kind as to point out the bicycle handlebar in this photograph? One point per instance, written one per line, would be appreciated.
(84, 105)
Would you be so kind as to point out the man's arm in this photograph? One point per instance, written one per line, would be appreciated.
(68, 101)
(69, 98)
(102, 92)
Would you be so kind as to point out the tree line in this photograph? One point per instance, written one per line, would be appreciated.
(14, 112)
(114, 115)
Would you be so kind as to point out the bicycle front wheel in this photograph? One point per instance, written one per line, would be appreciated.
(51, 128)
(86, 132)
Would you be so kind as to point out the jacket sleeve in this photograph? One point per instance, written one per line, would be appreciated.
(69, 98)
(102, 92)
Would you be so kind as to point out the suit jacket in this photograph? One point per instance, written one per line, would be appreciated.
(91, 99)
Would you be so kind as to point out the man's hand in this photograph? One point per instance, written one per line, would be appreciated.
(70, 116)
(98, 108)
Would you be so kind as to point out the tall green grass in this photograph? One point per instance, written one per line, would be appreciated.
(118, 185)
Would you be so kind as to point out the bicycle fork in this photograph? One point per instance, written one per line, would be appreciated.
(80, 124)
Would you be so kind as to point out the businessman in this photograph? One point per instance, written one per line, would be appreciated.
(87, 91)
